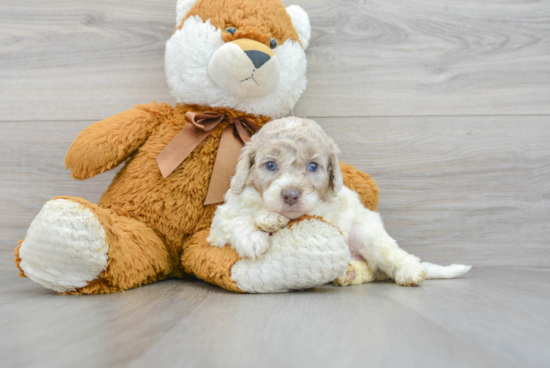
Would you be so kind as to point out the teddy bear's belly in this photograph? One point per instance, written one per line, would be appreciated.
(171, 206)
(309, 254)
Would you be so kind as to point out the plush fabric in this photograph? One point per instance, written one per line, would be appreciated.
(361, 183)
(65, 247)
(308, 253)
(255, 20)
(189, 53)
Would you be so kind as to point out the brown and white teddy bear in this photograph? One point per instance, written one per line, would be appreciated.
(232, 66)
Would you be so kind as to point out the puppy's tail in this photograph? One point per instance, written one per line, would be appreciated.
(434, 271)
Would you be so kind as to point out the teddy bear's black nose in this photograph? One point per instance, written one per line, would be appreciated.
(258, 58)
(291, 196)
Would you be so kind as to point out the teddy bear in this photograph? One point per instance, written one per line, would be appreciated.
(232, 66)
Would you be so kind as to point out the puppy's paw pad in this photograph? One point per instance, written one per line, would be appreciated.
(346, 278)
(270, 222)
(410, 275)
(357, 273)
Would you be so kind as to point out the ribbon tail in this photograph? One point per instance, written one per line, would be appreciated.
(224, 167)
(179, 148)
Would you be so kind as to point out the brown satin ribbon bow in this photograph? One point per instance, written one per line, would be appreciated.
(199, 126)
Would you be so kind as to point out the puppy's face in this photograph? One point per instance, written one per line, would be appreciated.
(293, 164)
(291, 176)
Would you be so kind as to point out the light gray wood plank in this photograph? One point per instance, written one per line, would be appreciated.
(453, 189)
(508, 321)
(430, 57)
(495, 317)
(86, 61)
(68, 60)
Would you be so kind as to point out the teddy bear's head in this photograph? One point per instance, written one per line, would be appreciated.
(247, 55)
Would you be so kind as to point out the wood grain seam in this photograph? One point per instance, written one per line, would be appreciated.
(309, 117)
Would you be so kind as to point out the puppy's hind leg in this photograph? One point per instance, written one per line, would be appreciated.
(358, 272)
(382, 252)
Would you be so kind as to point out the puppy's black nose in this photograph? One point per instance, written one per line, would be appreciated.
(258, 58)
(291, 196)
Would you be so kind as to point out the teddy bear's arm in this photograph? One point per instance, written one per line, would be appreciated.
(361, 183)
(104, 145)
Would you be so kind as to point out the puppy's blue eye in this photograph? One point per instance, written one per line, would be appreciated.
(312, 167)
(271, 166)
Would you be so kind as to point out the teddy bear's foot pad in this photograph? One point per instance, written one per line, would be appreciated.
(65, 247)
(310, 254)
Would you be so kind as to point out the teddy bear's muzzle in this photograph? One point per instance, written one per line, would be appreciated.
(245, 68)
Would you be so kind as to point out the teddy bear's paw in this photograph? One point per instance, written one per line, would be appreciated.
(357, 273)
(65, 247)
(252, 245)
(269, 222)
(411, 274)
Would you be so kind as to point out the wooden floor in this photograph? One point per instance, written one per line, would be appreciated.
(496, 317)
(445, 102)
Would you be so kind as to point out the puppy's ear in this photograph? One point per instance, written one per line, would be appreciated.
(335, 180)
(246, 160)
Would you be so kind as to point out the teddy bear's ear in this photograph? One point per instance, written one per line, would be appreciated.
(182, 8)
(300, 20)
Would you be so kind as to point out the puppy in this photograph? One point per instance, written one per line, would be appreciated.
(289, 169)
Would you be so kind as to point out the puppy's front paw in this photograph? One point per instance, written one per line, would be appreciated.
(269, 222)
(252, 245)
(410, 275)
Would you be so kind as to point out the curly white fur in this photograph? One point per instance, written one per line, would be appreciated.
(255, 206)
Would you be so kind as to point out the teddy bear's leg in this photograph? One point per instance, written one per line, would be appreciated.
(74, 246)
(287, 264)
(211, 264)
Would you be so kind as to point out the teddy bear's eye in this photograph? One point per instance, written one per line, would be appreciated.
(231, 30)
(273, 44)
